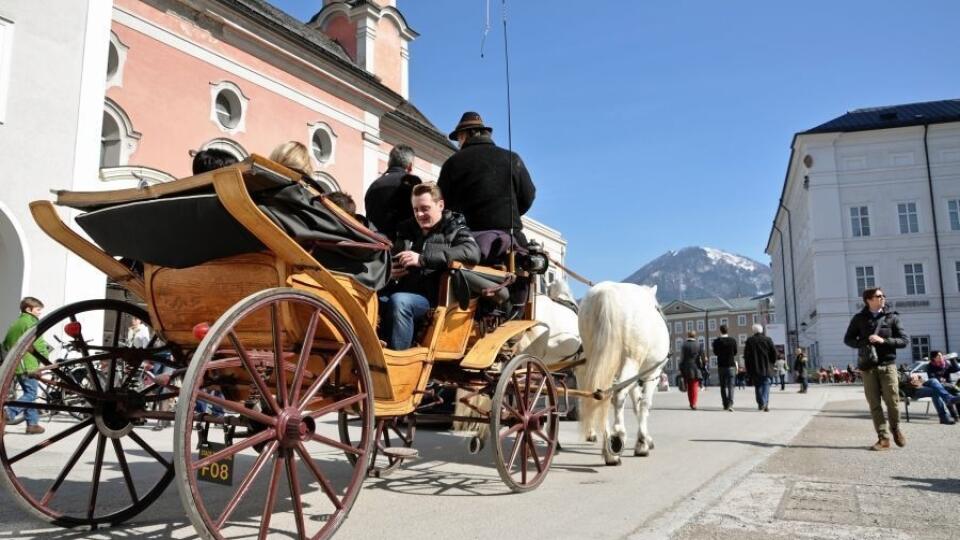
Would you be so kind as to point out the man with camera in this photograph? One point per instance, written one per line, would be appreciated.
(876, 334)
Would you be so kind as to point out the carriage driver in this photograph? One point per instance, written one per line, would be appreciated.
(427, 244)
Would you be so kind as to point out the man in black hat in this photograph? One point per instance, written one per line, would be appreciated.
(489, 185)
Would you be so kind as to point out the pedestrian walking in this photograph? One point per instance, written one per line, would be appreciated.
(725, 349)
(781, 367)
(759, 355)
(691, 359)
(800, 367)
(30, 310)
(876, 333)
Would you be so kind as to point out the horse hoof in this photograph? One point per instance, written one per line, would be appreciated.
(641, 453)
(612, 462)
(616, 445)
(591, 438)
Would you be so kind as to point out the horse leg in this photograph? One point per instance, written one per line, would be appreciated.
(642, 405)
(613, 444)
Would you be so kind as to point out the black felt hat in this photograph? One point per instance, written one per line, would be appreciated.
(469, 120)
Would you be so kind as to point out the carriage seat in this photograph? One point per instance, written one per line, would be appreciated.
(467, 282)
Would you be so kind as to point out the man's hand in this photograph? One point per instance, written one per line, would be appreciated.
(875, 339)
(406, 259)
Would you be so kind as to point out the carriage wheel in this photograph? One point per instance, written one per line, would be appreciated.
(524, 422)
(285, 423)
(390, 433)
(94, 468)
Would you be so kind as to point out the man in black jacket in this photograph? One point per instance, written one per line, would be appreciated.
(875, 326)
(388, 198)
(489, 185)
(759, 356)
(725, 349)
(426, 245)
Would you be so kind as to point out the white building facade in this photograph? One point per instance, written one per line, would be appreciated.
(871, 199)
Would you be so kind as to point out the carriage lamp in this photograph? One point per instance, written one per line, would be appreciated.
(73, 329)
(200, 330)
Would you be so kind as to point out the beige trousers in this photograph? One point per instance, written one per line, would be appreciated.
(881, 383)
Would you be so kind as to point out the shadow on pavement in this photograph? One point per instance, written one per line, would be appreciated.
(763, 444)
(937, 485)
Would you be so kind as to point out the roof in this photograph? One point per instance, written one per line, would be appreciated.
(894, 116)
(409, 114)
(745, 303)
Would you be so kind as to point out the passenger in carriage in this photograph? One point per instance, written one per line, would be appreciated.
(212, 159)
(346, 202)
(425, 247)
(489, 185)
(388, 198)
(295, 156)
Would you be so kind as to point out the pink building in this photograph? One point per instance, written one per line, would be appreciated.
(242, 76)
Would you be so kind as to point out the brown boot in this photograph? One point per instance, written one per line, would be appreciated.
(898, 438)
(35, 430)
(881, 444)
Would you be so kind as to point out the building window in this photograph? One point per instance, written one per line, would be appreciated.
(865, 278)
(116, 58)
(6, 56)
(327, 181)
(723, 321)
(741, 320)
(772, 317)
(908, 218)
(228, 109)
(913, 275)
(957, 266)
(860, 221)
(679, 344)
(322, 142)
(712, 325)
(756, 318)
(689, 326)
(700, 342)
(678, 327)
(919, 347)
(118, 139)
(227, 145)
(699, 326)
(742, 338)
(954, 209)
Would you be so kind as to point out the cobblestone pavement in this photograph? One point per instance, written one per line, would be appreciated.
(826, 484)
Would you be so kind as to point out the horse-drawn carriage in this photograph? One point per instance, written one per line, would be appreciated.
(276, 328)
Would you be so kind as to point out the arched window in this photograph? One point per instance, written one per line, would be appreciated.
(228, 107)
(322, 142)
(327, 181)
(116, 58)
(118, 139)
(227, 145)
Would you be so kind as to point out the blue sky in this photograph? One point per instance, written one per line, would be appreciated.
(653, 125)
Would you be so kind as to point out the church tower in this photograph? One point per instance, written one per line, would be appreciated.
(374, 34)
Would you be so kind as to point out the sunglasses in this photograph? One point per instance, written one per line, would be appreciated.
(878, 296)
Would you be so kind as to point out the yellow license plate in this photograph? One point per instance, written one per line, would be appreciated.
(218, 472)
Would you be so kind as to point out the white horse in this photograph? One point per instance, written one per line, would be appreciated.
(556, 337)
(624, 336)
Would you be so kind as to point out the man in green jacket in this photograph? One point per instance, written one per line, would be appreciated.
(30, 310)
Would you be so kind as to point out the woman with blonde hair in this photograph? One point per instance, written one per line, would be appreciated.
(294, 155)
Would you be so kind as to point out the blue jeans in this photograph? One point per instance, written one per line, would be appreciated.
(762, 388)
(934, 390)
(30, 387)
(399, 314)
(727, 377)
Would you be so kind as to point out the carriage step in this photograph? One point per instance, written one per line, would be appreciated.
(401, 452)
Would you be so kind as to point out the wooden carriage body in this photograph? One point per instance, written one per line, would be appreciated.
(178, 299)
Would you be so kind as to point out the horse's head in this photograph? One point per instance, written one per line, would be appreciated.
(560, 291)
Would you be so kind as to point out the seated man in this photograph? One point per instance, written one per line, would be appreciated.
(425, 247)
(913, 387)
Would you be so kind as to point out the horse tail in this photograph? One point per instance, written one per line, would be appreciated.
(602, 334)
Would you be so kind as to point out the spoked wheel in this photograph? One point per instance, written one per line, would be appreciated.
(94, 468)
(282, 420)
(391, 435)
(524, 422)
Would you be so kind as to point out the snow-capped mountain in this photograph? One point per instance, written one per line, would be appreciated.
(703, 272)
